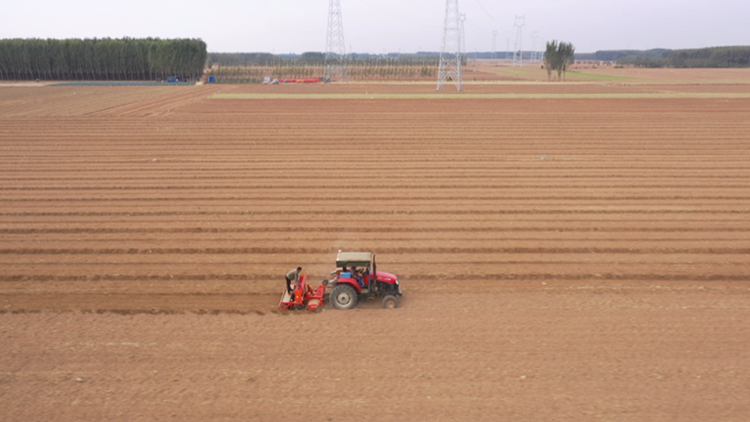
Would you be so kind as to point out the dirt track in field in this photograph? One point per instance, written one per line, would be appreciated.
(561, 259)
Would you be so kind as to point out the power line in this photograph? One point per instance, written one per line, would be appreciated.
(499, 25)
(403, 17)
(479, 27)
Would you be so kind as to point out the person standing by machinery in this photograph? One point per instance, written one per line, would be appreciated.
(292, 275)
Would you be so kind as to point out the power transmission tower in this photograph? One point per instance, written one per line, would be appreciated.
(335, 60)
(462, 51)
(507, 50)
(519, 23)
(494, 45)
(450, 54)
(534, 36)
(542, 49)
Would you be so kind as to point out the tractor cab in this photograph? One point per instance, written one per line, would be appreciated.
(356, 274)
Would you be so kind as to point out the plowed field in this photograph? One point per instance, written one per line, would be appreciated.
(561, 258)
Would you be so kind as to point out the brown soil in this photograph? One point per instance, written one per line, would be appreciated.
(608, 87)
(561, 259)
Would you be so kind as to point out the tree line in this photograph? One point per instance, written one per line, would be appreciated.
(712, 57)
(615, 55)
(737, 56)
(318, 59)
(123, 59)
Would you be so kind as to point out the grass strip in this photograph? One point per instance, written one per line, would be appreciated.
(467, 96)
(598, 76)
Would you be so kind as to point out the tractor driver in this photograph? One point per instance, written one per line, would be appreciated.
(357, 275)
(292, 275)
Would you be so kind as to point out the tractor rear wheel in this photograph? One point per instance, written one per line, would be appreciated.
(343, 297)
(390, 302)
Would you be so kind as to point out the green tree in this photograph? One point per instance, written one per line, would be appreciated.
(551, 57)
(557, 57)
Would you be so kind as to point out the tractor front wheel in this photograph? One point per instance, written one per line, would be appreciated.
(390, 302)
(343, 297)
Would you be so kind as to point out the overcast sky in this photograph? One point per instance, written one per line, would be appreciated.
(378, 26)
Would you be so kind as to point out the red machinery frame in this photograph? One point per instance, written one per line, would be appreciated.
(303, 296)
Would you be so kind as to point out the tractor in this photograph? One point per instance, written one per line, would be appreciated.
(356, 274)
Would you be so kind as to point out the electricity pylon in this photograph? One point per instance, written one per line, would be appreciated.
(507, 50)
(335, 60)
(519, 23)
(534, 53)
(494, 45)
(462, 50)
(450, 54)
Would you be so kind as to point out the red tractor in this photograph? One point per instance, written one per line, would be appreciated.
(356, 274)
